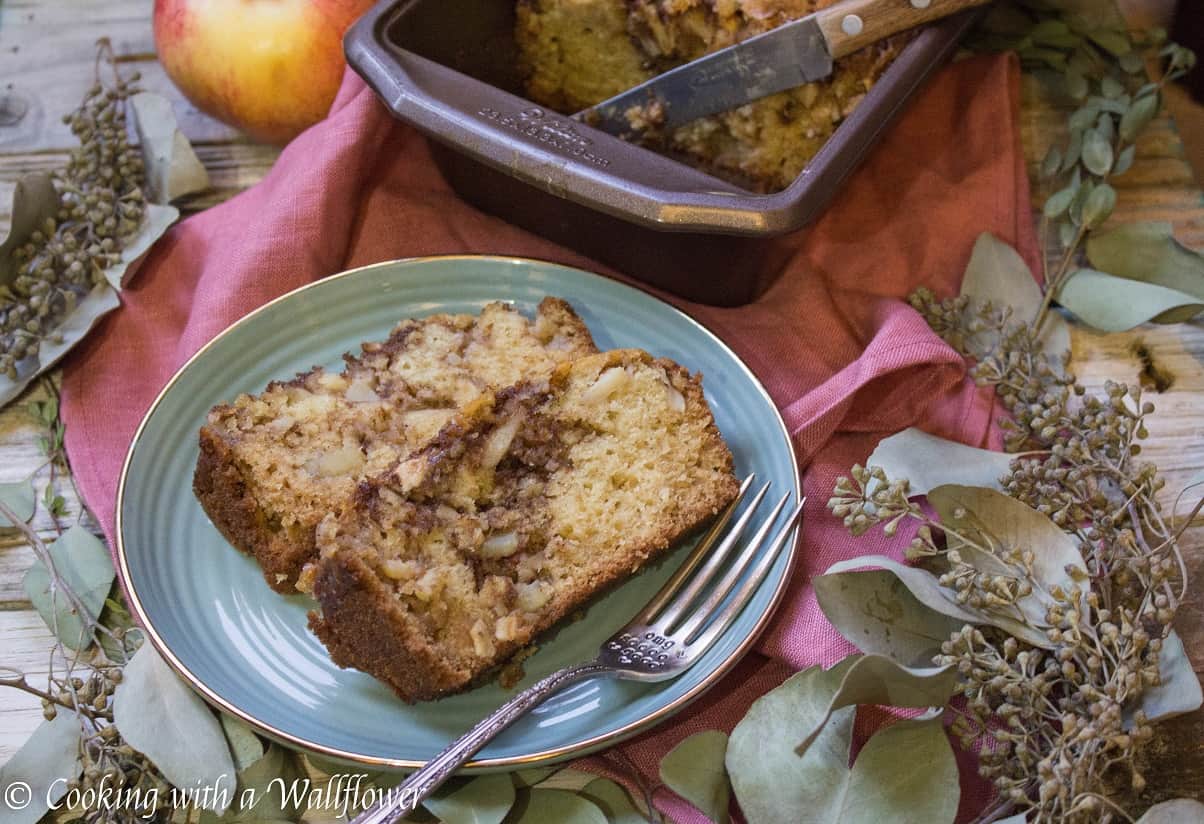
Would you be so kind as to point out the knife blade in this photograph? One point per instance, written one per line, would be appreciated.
(790, 55)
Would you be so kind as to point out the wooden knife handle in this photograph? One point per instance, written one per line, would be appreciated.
(853, 24)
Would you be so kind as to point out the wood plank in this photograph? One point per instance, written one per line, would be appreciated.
(47, 58)
(232, 168)
(22, 455)
(27, 642)
(39, 84)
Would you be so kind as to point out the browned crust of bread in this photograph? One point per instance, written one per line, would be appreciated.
(221, 488)
(220, 482)
(563, 315)
(362, 627)
(361, 621)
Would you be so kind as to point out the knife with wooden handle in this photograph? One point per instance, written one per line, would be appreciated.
(790, 55)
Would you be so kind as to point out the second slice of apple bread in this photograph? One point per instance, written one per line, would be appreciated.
(522, 508)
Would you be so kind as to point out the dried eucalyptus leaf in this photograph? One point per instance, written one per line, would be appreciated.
(245, 746)
(559, 806)
(45, 762)
(1138, 116)
(1052, 162)
(330, 766)
(1082, 62)
(484, 800)
(1076, 84)
(1114, 42)
(1082, 16)
(1176, 811)
(116, 617)
(774, 784)
(694, 770)
(1148, 252)
(1099, 205)
(532, 776)
(1097, 152)
(1132, 63)
(927, 461)
(172, 167)
(1046, 28)
(997, 522)
(771, 782)
(998, 274)
(876, 679)
(928, 591)
(1124, 161)
(1048, 57)
(567, 779)
(1179, 691)
(1066, 41)
(34, 200)
(921, 787)
(269, 789)
(1083, 117)
(1059, 202)
(1080, 198)
(1111, 87)
(383, 780)
(82, 561)
(875, 611)
(1106, 126)
(615, 802)
(1114, 304)
(1067, 232)
(1074, 149)
(155, 711)
(21, 498)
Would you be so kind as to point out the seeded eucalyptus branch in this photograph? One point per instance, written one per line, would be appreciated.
(1066, 663)
(1066, 594)
(89, 653)
(77, 233)
(1116, 105)
(100, 208)
(1089, 62)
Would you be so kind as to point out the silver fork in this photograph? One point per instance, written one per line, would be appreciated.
(664, 640)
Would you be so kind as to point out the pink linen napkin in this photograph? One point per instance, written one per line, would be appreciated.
(845, 358)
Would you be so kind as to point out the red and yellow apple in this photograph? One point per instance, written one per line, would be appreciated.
(268, 67)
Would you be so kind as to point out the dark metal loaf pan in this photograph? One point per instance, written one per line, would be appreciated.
(450, 68)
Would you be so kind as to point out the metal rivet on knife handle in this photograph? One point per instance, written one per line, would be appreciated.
(876, 19)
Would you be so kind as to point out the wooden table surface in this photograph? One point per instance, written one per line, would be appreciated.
(46, 63)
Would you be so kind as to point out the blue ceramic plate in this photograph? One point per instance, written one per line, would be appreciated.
(247, 649)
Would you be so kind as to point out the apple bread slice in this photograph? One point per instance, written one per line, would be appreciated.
(524, 506)
(272, 465)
